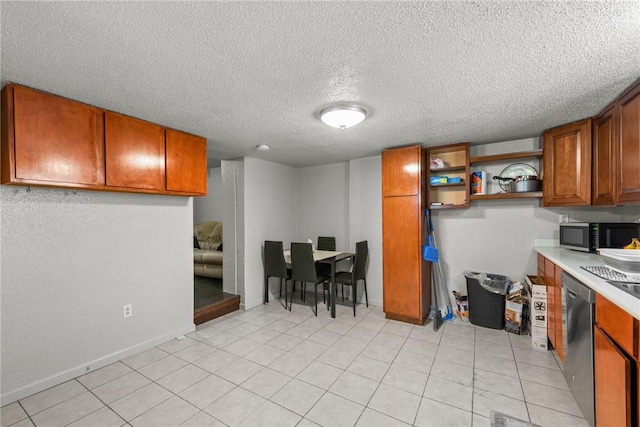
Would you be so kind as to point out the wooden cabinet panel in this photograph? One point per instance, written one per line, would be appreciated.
(628, 161)
(612, 380)
(551, 314)
(567, 165)
(548, 278)
(617, 323)
(406, 280)
(186, 166)
(549, 271)
(551, 276)
(604, 146)
(51, 140)
(401, 171)
(402, 261)
(134, 152)
(541, 267)
(560, 308)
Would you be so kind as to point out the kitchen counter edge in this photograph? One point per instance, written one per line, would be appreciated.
(570, 261)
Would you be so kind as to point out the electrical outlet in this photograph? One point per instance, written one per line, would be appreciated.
(563, 218)
(127, 311)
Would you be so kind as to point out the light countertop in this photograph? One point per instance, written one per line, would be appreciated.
(570, 261)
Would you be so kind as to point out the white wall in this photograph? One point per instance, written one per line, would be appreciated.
(323, 203)
(210, 207)
(232, 177)
(493, 237)
(69, 263)
(270, 212)
(365, 219)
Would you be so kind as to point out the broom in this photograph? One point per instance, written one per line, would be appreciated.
(449, 316)
(430, 253)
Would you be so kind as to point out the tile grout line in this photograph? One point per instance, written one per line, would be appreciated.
(524, 397)
(106, 405)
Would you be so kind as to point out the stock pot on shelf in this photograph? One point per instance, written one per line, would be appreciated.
(519, 178)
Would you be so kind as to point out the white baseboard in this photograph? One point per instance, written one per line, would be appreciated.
(89, 366)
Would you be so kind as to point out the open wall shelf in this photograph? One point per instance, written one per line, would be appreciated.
(537, 154)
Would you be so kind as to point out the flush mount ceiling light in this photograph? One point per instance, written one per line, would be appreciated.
(263, 147)
(343, 116)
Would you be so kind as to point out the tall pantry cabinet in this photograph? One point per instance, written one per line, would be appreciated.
(406, 295)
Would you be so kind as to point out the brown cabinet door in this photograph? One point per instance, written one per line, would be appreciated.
(628, 179)
(401, 171)
(560, 308)
(551, 314)
(541, 260)
(612, 380)
(402, 261)
(549, 278)
(186, 163)
(604, 146)
(56, 141)
(616, 322)
(567, 165)
(134, 151)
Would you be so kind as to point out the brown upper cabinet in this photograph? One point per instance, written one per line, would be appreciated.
(50, 141)
(134, 152)
(627, 190)
(604, 146)
(567, 165)
(401, 171)
(599, 165)
(616, 151)
(186, 163)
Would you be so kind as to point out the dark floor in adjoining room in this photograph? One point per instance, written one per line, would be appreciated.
(206, 291)
(210, 301)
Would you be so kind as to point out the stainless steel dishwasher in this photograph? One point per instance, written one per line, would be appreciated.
(577, 334)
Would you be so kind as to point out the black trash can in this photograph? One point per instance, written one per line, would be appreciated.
(487, 296)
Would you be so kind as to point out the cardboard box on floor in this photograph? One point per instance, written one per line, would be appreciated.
(537, 323)
(516, 313)
(516, 309)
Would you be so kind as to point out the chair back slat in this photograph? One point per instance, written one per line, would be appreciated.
(303, 267)
(360, 264)
(274, 263)
(326, 243)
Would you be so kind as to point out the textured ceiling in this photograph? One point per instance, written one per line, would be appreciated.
(248, 73)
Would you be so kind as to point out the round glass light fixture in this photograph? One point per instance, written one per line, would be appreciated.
(343, 116)
(263, 147)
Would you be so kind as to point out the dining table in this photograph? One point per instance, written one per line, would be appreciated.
(326, 257)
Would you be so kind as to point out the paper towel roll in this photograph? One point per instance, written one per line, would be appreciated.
(479, 182)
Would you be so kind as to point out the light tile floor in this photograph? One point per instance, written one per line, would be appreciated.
(271, 367)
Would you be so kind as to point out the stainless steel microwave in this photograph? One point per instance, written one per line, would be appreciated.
(591, 236)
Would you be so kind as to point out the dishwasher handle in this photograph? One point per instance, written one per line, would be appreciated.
(575, 287)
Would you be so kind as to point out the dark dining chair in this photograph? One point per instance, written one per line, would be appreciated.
(351, 278)
(326, 243)
(275, 266)
(303, 269)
